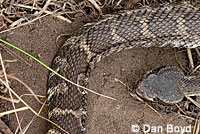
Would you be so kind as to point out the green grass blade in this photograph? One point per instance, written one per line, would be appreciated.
(46, 66)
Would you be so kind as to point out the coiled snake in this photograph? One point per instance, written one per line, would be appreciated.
(165, 26)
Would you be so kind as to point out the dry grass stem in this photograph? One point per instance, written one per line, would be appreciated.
(7, 83)
(193, 101)
(179, 63)
(44, 8)
(27, 87)
(137, 97)
(180, 109)
(26, 23)
(196, 68)
(40, 96)
(9, 99)
(12, 53)
(10, 6)
(4, 128)
(196, 125)
(17, 22)
(61, 35)
(42, 107)
(11, 61)
(118, 3)
(47, 12)
(13, 111)
(197, 50)
(122, 83)
(30, 108)
(154, 110)
(94, 3)
(28, 125)
(18, 97)
(190, 58)
(16, 131)
(6, 19)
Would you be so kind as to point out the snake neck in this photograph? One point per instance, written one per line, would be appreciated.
(191, 85)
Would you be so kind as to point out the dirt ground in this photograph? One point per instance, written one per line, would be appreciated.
(104, 116)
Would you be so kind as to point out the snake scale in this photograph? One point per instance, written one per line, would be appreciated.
(163, 26)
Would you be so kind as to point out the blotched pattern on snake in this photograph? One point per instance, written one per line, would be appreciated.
(164, 26)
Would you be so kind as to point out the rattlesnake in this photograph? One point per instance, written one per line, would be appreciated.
(164, 26)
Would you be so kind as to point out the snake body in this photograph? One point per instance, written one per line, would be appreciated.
(164, 26)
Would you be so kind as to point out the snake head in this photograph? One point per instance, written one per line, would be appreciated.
(162, 84)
